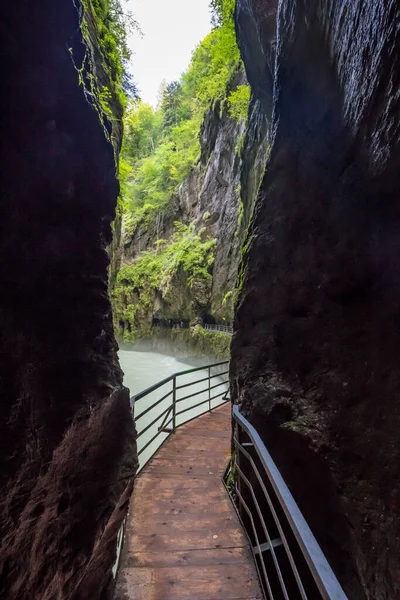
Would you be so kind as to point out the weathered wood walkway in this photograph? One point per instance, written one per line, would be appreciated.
(183, 540)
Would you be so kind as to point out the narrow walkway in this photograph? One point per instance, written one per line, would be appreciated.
(183, 540)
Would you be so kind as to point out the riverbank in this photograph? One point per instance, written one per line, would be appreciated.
(195, 345)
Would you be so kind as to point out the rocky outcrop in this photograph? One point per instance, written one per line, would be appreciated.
(314, 355)
(218, 196)
(67, 439)
(195, 344)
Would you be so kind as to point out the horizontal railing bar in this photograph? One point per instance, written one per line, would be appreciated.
(200, 403)
(203, 391)
(184, 385)
(160, 416)
(191, 407)
(219, 374)
(150, 389)
(217, 385)
(267, 546)
(149, 442)
(157, 385)
(217, 364)
(324, 577)
(144, 412)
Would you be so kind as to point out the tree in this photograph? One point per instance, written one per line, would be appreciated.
(171, 103)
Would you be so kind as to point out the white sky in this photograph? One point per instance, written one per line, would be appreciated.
(172, 29)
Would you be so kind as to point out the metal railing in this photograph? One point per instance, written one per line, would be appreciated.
(290, 563)
(164, 406)
(222, 328)
(172, 415)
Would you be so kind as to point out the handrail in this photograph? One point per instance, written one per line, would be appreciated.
(280, 510)
(157, 385)
(176, 394)
(221, 328)
(166, 411)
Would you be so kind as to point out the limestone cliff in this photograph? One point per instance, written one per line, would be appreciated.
(314, 354)
(67, 438)
(216, 201)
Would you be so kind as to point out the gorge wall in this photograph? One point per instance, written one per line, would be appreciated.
(213, 204)
(315, 349)
(67, 443)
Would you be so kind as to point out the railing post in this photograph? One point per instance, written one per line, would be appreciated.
(174, 403)
(209, 389)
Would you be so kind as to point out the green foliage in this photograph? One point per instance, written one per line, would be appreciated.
(155, 269)
(222, 11)
(113, 26)
(159, 175)
(238, 102)
(162, 146)
(213, 64)
(160, 160)
(142, 131)
(211, 343)
(240, 213)
(105, 27)
(227, 296)
(174, 106)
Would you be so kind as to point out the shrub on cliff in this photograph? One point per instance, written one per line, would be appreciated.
(155, 269)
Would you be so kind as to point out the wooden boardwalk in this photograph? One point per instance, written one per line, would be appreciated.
(183, 540)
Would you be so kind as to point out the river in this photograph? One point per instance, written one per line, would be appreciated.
(143, 369)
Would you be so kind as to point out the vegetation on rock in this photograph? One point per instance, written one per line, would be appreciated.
(105, 27)
(161, 146)
(196, 340)
(157, 270)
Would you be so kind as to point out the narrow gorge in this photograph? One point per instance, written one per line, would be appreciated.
(260, 195)
(191, 169)
(67, 441)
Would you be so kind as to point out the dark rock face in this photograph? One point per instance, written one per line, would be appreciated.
(315, 352)
(67, 438)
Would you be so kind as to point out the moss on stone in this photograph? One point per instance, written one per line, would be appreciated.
(177, 273)
(196, 341)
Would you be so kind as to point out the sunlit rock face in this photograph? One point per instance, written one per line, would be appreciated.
(218, 197)
(315, 352)
(67, 439)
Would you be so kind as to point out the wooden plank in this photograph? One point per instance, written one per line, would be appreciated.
(216, 582)
(184, 505)
(191, 558)
(183, 539)
(189, 540)
(147, 484)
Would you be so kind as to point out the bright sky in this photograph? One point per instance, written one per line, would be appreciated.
(172, 29)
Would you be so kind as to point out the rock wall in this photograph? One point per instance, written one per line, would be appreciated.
(218, 196)
(67, 439)
(196, 345)
(315, 349)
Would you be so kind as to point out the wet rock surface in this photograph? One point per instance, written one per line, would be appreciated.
(67, 440)
(315, 351)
